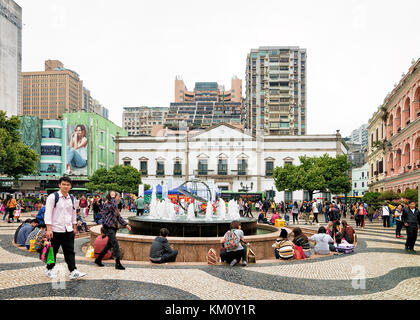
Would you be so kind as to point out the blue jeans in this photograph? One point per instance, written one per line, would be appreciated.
(5, 214)
(75, 159)
(326, 217)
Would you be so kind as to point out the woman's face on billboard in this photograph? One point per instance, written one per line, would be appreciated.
(79, 132)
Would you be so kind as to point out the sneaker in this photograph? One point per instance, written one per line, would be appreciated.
(52, 274)
(244, 264)
(75, 274)
(234, 261)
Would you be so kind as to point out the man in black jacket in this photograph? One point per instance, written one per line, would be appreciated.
(334, 216)
(161, 251)
(411, 219)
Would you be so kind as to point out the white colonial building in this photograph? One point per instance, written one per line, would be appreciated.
(360, 180)
(234, 159)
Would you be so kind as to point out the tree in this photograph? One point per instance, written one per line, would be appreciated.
(119, 178)
(372, 199)
(410, 194)
(320, 174)
(16, 159)
(389, 195)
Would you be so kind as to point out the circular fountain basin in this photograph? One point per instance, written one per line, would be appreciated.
(183, 227)
(191, 249)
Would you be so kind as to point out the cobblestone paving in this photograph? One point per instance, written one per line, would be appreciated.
(379, 269)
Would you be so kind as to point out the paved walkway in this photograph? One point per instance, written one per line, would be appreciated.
(379, 269)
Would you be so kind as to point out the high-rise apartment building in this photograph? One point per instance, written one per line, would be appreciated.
(276, 91)
(10, 57)
(50, 93)
(139, 121)
(206, 105)
(360, 136)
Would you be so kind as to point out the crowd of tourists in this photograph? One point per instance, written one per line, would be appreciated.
(62, 216)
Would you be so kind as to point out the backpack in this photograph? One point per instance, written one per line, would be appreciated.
(57, 197)
(231, 240)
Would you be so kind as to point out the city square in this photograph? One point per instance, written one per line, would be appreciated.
(154, 159)
(378, 270)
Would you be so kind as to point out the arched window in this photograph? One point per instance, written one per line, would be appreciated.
(416, 103)
(398, 120)
(406, 113)
(406, 155)
(390, 128)
(417, 152)
(391, 164)
(398, 159)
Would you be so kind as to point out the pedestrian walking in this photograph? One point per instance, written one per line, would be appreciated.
(315, 211)
(386, 213)
(361, 214)
(110, 218)
(334, 217)
(11, 205)
(295, 213)
(411, 221)
(325, 211)
(140, 205)
(398, 220)
(60, 218)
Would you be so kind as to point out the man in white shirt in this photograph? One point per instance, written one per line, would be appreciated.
(385, 214)
(315, 211)
(60, 218)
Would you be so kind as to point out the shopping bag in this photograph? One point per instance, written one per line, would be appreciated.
(50, 257)
(32, 246)
(45, 248)
(250, 255)
(90, 252)
(212, 257)
(299, 254)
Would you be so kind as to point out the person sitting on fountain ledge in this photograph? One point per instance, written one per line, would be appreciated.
(234, 248)
(161, 251)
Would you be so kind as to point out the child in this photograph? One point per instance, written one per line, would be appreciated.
(81, 223)
(274, 217)
(283, 248)
(286, 218)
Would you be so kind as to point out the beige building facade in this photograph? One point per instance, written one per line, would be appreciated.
(139, 121)
(276, 91)
(50, 93)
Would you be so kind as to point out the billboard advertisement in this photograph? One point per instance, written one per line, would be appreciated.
(77, 139)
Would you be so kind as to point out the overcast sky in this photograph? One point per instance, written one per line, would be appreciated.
(128, 52)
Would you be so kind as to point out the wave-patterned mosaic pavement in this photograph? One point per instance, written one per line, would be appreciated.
(379, 269)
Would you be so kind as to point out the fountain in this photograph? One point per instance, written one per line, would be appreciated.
(193, 231)
(221, 209)
(191, 213)
(209, 211)
(233, 210)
